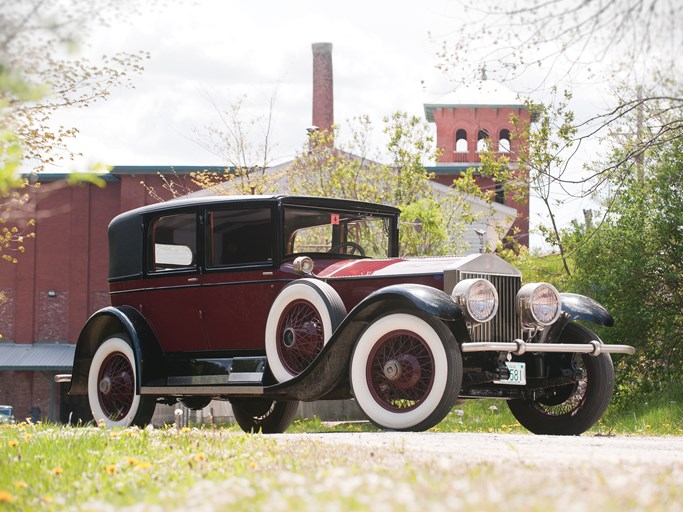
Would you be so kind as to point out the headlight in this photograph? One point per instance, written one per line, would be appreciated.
(478, 298)
(538, 304)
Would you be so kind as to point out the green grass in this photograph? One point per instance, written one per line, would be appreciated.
(49, 467)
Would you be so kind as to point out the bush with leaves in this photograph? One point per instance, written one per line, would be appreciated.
(633, 264)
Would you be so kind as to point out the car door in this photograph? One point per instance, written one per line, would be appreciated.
(241, 281)
(172, 302)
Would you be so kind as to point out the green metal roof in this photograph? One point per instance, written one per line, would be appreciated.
(36, 356)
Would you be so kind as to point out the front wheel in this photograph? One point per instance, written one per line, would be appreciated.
(575, 407)
(406, 371)
(263, 415)
(112, 386)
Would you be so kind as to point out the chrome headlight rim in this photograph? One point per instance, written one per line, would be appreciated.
(463, 294)
(528, 304)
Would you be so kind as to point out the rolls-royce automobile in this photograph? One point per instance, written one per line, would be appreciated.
(268, 301)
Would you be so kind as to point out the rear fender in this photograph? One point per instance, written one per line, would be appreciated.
(105, 323)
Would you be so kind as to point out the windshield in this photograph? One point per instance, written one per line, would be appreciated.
(338, 232)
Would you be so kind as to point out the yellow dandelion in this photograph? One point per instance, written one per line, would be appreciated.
(13, 443)
(6, 497)
(57, 470)
(27, 437)
(185, 429)
(20, 485)
(110, 469)
(132, 461)
(252, 465)
(101, 424)
(143, 465)
(198, 457)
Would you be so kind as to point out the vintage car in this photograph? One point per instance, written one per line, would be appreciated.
(267, 301)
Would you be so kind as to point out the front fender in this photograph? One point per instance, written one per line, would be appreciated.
(328, 373)
(580, 307)
(105, 323)
(425, 298)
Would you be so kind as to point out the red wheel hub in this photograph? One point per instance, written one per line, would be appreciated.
(400, 370)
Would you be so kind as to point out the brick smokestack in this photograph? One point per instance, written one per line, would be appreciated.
(323, 94)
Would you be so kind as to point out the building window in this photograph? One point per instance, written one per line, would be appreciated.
(504, 141)
(482, 141)
(500, 193)
(461, 141)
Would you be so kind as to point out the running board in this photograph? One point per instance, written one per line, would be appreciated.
(201, 390)
(519, 347)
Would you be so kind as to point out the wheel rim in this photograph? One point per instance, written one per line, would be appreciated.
(300, 336)
(573, 401)
(400, 371)
(116, 386)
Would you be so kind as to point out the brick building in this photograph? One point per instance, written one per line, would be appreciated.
(465, 120)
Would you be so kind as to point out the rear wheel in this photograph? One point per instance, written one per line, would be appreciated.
(406, 371)
(263, 415)
(112, 386)
(573, 408)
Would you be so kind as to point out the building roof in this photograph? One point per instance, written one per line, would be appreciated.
(36, 357)
(476, 94)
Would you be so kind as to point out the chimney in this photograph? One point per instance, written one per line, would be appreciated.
(323, 96)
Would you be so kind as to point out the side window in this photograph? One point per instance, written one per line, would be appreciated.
(240, 237)
(173, 242)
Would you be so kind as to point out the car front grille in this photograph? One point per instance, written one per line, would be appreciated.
(506, 325)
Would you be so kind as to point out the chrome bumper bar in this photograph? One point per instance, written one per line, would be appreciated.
(63, 377)
(519, 347)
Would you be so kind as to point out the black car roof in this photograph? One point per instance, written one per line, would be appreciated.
(321, 202)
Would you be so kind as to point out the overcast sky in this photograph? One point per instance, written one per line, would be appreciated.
(384, 59)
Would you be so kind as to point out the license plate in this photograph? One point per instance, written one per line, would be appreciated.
(517, 374)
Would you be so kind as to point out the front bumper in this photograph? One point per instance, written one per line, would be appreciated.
(519, 347)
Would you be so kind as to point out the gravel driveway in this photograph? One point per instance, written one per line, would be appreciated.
(525, 472)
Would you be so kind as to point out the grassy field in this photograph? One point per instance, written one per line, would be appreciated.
(50, 467)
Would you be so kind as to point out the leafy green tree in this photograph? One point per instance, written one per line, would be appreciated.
(633, 263)
(433, 220)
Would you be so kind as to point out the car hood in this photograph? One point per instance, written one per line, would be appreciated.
(389, 267)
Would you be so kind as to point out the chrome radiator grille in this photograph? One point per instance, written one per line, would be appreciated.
(506, 325)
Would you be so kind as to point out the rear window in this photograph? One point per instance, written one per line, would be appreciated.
(173, 242)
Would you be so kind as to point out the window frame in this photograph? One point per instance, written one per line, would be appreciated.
(207, 232)
(149, 252)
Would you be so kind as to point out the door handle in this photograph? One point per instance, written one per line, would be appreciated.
(192, 279)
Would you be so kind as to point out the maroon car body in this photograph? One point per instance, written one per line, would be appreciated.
(268, 300)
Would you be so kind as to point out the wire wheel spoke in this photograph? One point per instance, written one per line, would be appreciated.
(400, 371)
(116, 386)
(301, 336)
(575, 399)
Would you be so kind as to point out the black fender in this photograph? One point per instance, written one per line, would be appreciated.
(105, 323)
(327, 376)
(580, 307)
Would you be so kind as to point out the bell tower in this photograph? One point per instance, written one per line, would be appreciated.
(468, 119)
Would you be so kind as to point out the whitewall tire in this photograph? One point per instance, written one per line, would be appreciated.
(112, 386)
(300, 322)
(406, 371)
